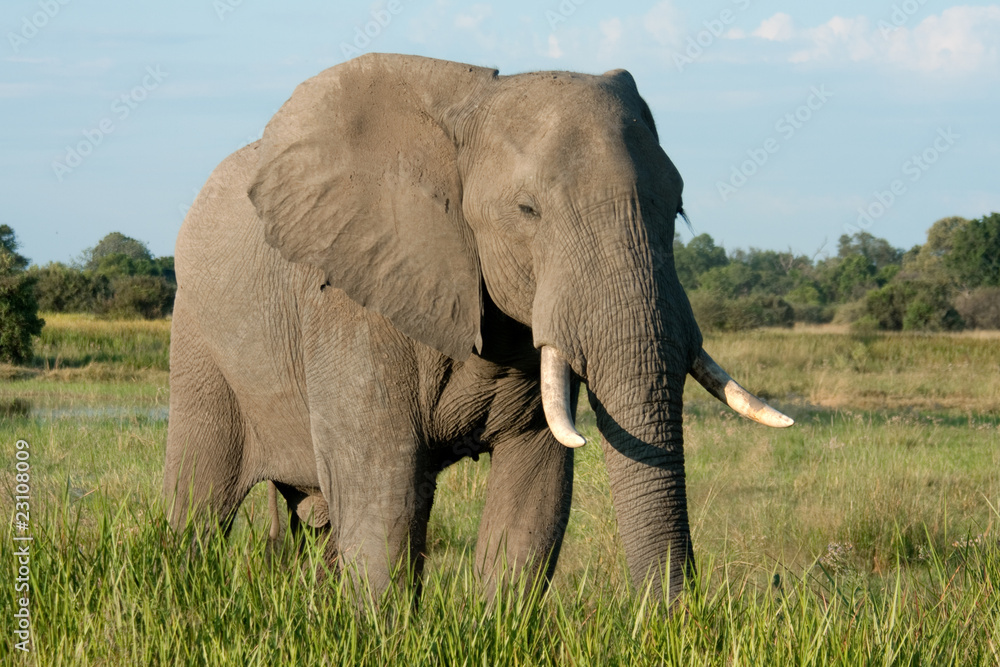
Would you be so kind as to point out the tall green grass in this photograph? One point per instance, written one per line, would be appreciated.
(866, 534)
(130, 591)
(74, 341)
(81, 360)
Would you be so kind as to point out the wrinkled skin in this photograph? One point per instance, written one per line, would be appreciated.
(364, 292)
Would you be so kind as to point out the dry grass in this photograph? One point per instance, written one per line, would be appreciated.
(953, 373)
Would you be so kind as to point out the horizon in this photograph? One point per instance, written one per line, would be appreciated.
(790, 128)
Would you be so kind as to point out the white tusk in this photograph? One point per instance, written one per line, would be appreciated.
(555, 398)
(717, 381)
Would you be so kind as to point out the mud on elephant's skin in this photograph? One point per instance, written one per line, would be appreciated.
(418, 251)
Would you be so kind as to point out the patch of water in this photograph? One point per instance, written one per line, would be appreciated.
(153, 413)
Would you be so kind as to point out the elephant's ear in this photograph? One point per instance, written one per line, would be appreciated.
(358, 176)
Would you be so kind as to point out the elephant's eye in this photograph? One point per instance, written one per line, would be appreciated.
(529, 211)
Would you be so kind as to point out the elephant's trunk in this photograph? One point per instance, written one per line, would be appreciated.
(636, 393)
(622, 321)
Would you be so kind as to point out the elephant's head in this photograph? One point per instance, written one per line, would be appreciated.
(414, 182)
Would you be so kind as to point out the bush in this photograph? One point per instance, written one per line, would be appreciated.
(19, 319)
(865, 325)
(764, 311)
(980, 308)
(717, 313)
(913, 306)
(709, 310)
(64, 289)
(850, 312)
(149, 297)
(119, 278)
(812, 313)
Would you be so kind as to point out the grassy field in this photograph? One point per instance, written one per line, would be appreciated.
(866, 534)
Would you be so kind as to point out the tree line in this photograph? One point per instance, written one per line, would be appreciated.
(117, 278)
(949, 283)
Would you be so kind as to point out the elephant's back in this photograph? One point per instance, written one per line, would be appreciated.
(219, 224)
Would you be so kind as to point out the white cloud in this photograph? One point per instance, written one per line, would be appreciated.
(98, 65)
(611, 34)
(16, 90)
(473, 18)
(838, 38)
(960, 39)
(665, 23)
(778, 28)
(554, 50)
(26, 60)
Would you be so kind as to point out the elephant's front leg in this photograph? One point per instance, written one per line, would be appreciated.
(379, 508)
(527, 508)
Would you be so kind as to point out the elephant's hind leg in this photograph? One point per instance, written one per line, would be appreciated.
(205, 437)
(307, 512)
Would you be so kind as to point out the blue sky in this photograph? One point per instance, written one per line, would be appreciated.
(787, 121)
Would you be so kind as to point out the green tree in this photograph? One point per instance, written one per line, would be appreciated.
(876, 250)
(913, 305)
(927, 262)
(119, 264)
(115, 243)
(855, 276)
(974, 256)
(730, 281)
(146, 296)
(699, 256)
(863, 263)
(127, 280)
(941, 233)
(66, 289)
(118, 277)
(19, 319)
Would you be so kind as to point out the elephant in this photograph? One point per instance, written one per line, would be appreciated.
(422, 261)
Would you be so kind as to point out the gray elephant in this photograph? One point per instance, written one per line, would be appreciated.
(420, 261)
